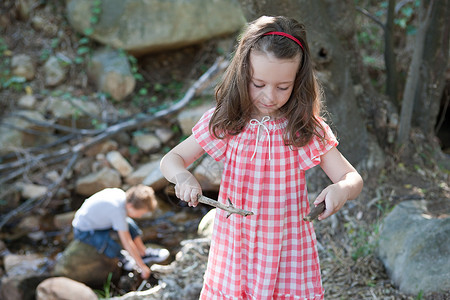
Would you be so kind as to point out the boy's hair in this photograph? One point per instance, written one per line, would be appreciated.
(234, 105)
(141, 196)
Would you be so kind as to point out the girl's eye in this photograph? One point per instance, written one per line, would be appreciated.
(258, 86)
(283, 89)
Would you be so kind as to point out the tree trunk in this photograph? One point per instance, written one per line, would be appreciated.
(332, 60)
(432, 74)
(389, 55)
(413, 75)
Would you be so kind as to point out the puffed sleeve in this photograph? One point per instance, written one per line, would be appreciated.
(215, 147)
(310, 154)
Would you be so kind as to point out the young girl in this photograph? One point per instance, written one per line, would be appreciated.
(267, 130)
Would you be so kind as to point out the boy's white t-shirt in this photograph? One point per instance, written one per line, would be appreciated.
(103, 210)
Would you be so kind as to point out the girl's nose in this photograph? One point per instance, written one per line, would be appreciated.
(270, 94)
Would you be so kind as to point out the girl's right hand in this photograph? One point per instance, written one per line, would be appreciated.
(187, 188)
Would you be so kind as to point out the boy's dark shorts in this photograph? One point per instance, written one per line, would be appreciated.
(106, 241)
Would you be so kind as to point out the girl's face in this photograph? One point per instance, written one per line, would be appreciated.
(271, 83)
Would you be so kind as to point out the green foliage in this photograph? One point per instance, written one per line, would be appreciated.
(370, 34)
(84, 47)
(106, 293)
(15, 83)
(419, 295)
(5, 72)
(364, 240)
(133, 150)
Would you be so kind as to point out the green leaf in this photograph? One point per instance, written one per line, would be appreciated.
(84, 41)
(143, 92)
(55, 43)
(138, 77)
(14, 80)
(79, 60)
(89, 31)
(83, 50)
(94, 20)
(158, 87)
(96, 10)
(407, 11)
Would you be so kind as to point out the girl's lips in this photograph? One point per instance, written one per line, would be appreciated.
(267, 106)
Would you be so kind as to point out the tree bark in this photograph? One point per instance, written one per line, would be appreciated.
(413, 76)
(435, 58)
(389, 55)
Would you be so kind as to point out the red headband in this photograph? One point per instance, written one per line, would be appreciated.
(286, 35)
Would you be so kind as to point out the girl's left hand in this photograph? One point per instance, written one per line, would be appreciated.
(335, 197)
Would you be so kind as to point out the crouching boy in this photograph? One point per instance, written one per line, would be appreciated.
(110, 211)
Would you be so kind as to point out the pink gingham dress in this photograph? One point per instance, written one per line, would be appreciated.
(271, 254)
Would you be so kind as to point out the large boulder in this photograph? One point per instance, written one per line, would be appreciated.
(415, 249)
(142, 26)
(81, 262)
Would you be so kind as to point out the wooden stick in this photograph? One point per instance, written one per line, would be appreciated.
(315, 212)
(230, 208)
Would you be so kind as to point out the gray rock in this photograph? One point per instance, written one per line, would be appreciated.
(27, 101)
(147, 143)
(111, 72)
(55, 71)
(209, 173)
(142, 172)
(415, 249)
(92, 183)
(20, 287)
(22, 65)
(190, 116)
(142, 26)
(155, 178)
(29, 190)
(12, 139)
(16, 264)
(119, 163)
(64, 288)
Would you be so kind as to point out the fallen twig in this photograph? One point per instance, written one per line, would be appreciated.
(22, 166)
(230, 208)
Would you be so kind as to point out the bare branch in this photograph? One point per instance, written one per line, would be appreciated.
(230, 208)
(32, 162)
(370, 16)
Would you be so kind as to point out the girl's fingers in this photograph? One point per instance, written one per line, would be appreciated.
(320, 198)
(177, 191)
(194, 197)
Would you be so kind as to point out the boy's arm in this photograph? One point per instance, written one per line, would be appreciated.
(128, 244)
(347, 183)
(174, 167)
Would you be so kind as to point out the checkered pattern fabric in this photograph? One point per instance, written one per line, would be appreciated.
(272, 254)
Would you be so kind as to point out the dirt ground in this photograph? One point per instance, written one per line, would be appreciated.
(347, 242)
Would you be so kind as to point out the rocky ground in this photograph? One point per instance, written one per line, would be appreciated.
(347, 242)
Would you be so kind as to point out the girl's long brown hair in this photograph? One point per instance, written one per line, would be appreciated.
(234, 106)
